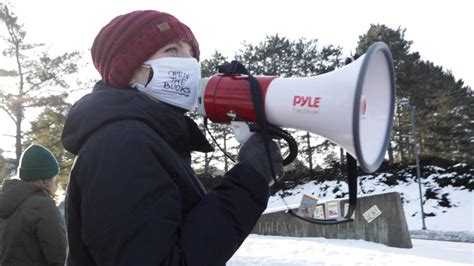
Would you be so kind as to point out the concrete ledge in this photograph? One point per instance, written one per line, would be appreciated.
(389, 228)
(454, 236)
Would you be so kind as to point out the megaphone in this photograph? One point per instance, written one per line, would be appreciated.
(351, 106)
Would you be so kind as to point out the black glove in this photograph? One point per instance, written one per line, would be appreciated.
(253, 154)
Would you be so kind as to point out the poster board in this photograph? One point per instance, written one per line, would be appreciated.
(333, 209)
(319, 211)
(307, 206)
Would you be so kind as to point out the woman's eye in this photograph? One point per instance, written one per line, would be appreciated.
(172, 50)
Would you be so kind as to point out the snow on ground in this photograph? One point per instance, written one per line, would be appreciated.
(291, 251)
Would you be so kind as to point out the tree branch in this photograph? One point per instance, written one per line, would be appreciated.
(8, 113)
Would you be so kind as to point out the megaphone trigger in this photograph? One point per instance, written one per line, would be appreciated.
(241, 131)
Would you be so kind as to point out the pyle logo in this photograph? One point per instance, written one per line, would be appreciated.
(306, 101)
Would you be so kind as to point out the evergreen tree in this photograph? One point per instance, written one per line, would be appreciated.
(444, 114)
(282, 57)
(209, 66)
(36, 81)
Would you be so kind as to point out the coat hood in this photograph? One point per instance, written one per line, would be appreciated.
(14, 192)
(107, 105)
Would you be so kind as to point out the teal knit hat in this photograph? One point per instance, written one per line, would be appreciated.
(37, 163)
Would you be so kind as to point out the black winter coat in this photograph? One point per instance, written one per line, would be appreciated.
(31, 228)
(133, 198)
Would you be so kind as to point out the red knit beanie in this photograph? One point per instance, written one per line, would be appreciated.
(130, 39)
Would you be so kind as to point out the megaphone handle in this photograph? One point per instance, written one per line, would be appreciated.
(274, 131)
(243, 131)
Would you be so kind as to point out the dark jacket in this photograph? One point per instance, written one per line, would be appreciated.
(31, 228)
(133, 198)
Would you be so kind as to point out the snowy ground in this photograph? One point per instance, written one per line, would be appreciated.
(451, 217)
(292, 251)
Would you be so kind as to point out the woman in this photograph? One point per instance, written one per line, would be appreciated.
(31, 228)
(133, 198)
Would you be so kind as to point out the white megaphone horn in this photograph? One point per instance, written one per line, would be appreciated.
(351, 106)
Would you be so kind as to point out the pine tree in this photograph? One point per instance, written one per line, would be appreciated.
(445, 114)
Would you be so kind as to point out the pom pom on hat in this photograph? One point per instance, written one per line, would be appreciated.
(130, 39)
(37, 163)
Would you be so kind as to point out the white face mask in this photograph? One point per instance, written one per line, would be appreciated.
(175, 81)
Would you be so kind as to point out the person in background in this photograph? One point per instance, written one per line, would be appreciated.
(133, 198)
(31, 229)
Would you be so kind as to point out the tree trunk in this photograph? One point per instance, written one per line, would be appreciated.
(342, 156)
(18, 149)
(390, 153)
(400, 137)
